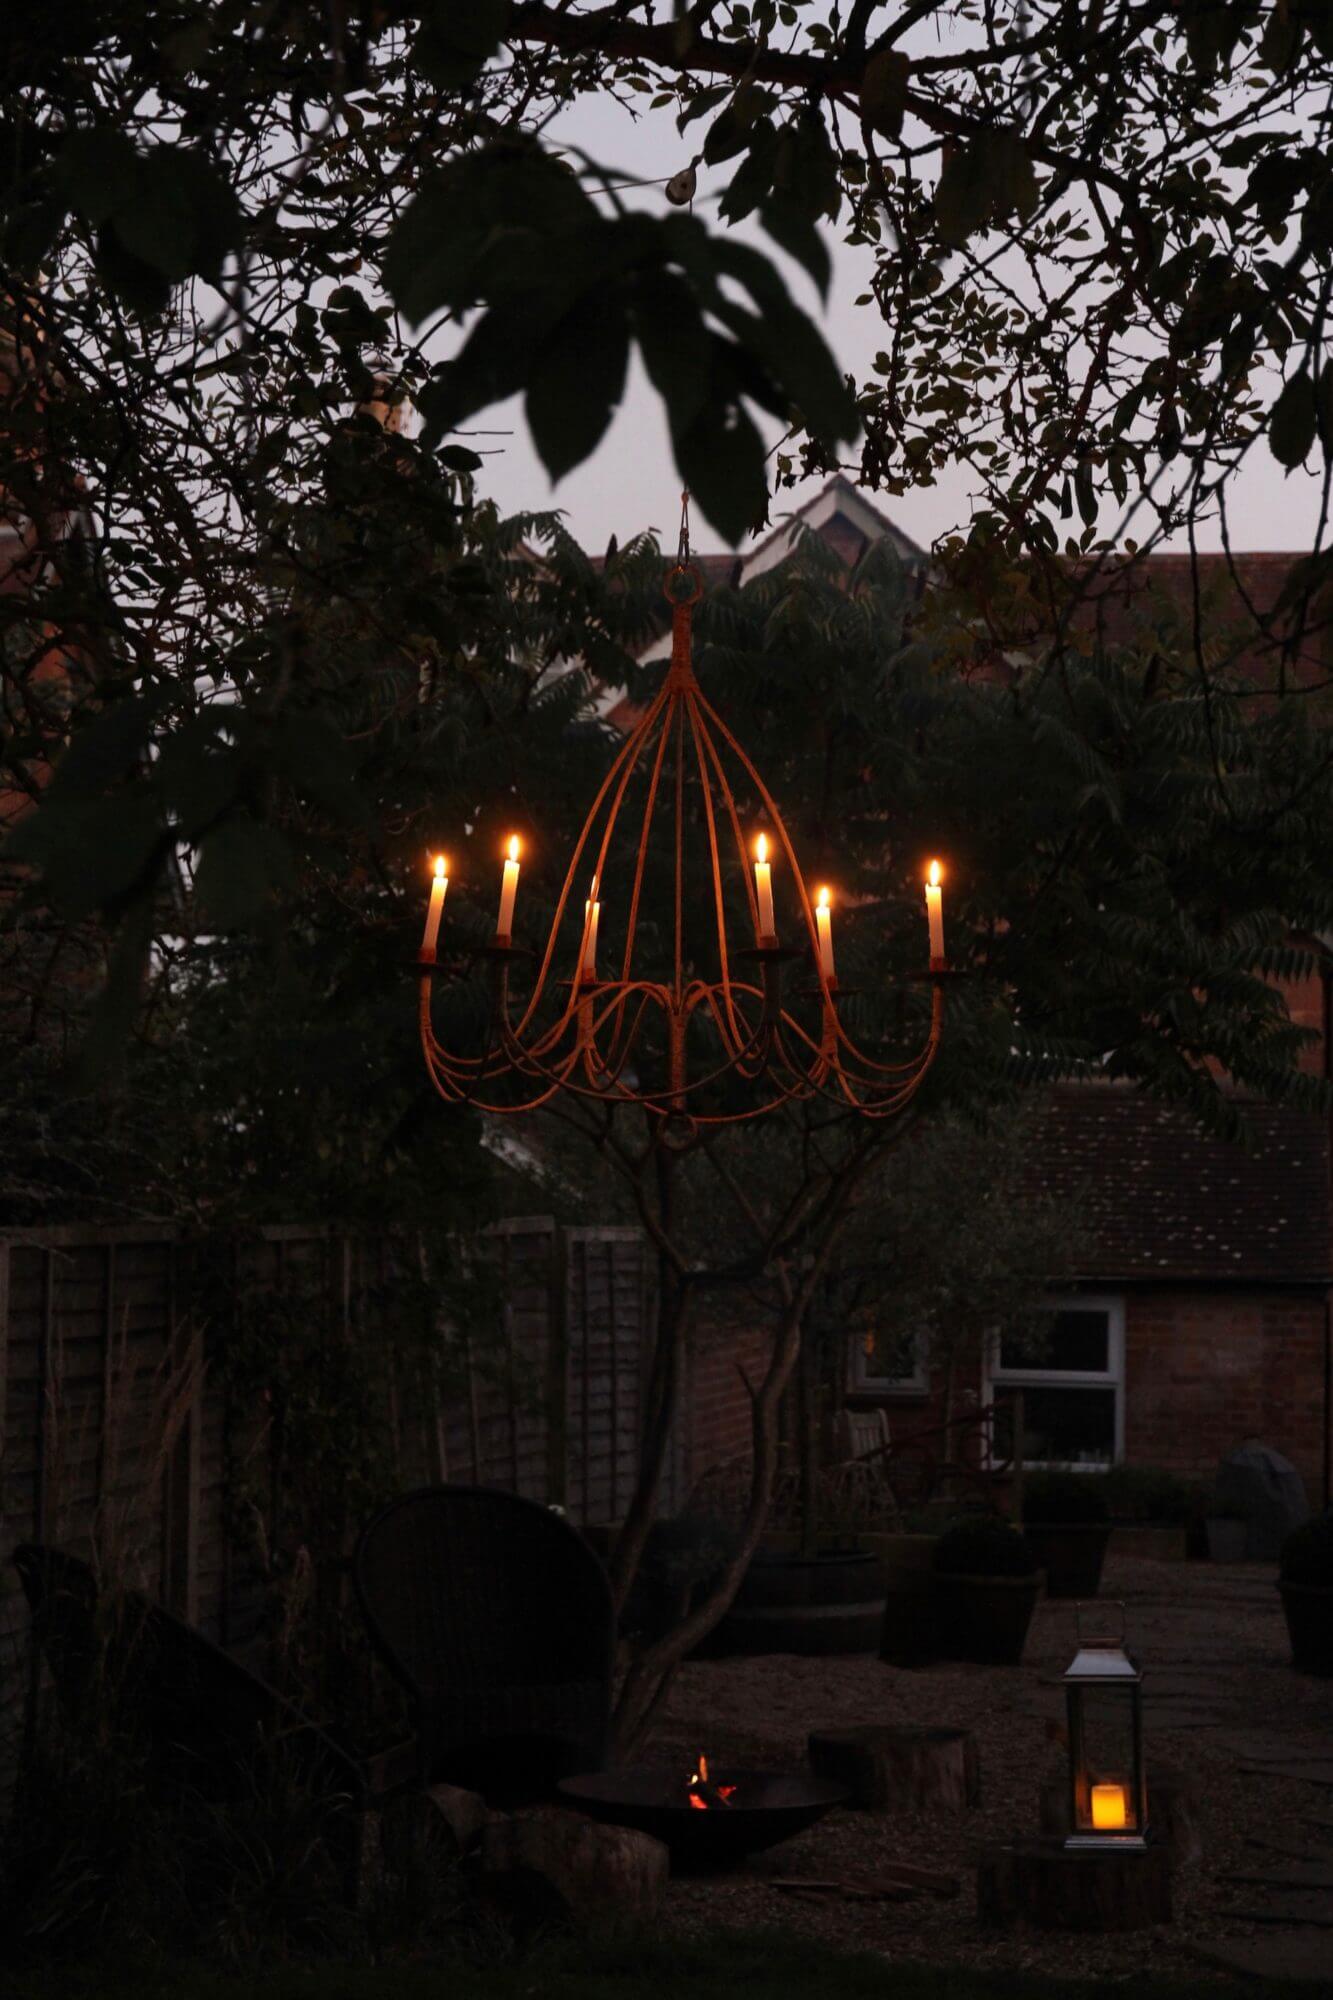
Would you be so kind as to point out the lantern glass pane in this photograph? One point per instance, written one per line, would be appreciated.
(1103, 1745)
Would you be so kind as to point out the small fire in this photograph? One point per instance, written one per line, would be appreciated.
(703, 1794)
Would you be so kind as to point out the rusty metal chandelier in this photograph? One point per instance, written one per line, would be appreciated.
(711, 1038)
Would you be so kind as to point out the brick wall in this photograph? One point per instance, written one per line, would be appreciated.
(715, 1405)
(1204, 1371)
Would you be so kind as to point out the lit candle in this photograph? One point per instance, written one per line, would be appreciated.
(508, 890)
(591, 911)
(1110, 1813)
(824, 929)
(935, 914)
(435, 910)
(763, 888)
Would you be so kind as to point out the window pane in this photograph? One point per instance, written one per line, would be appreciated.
(1068, 1426)
(1075, 1341)
(885, 1360)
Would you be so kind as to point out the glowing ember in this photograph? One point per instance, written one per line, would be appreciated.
(703, 1794)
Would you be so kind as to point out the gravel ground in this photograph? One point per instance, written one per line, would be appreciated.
(1194, 1627)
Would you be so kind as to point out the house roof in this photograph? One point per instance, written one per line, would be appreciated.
(1163, 1200)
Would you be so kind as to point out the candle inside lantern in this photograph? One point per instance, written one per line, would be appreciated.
(824, 931)
(435, 909)
(508, 890)
(592, 909)
(1110, 1811)
(763, 889)
(935, 914)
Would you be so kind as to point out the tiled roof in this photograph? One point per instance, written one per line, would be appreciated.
(1161, 1199)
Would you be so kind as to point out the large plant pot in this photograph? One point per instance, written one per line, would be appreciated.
(985, 1618)
(1226, 1539)
(1309, 1609)
(1148, 1541)
(1071, 1553)
(908, 1637)
(827, 1603)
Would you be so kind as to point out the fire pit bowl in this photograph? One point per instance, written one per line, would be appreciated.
(764, 1808)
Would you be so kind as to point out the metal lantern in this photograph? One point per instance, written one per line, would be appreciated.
(1108, 1800)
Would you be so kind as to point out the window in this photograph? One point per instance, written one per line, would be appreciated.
(1073, 1378)
(898, 1371)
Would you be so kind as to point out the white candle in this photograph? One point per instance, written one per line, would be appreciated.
(763, 888)
(1110, 1811)
(591, 911)
(508, 890)
(935, 915)
(435, 909)
(824, 928)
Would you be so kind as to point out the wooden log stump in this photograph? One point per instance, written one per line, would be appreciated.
(545, 1867)
(1043, 1885)
(1173, 1812)
(907, 1769)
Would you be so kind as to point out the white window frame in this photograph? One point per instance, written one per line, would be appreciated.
(1112, 1377)
(860, 1381)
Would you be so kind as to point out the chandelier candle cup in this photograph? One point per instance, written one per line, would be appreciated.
(935, 916)
(435, 911)
(824, 931)
(763, 889)
(508, 891)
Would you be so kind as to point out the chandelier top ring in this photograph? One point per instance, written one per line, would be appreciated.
(689, 1025)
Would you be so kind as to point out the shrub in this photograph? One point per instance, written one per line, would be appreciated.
(1064, 1497)
(1147, 1493)
(983, 1548)
(1307, 1553)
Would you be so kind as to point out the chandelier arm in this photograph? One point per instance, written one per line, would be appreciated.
(715, 858)
(667, 697)
(779, 825)
(702, 711)
(622, 765)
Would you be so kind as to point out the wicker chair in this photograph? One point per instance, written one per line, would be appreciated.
(497, 1618)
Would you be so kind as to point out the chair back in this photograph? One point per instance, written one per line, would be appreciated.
(464, 1588)
(861, 1432)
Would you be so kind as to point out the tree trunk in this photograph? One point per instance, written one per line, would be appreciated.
(888, 1769)
(1054, 1888)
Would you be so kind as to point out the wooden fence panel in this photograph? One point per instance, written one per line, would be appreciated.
(115, 1444)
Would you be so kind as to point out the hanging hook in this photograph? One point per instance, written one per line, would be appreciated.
(683, 545)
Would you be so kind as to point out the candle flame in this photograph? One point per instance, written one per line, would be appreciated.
(441, 868)
(513, 847)
(935, 872)
(761, 848)
(822, 899)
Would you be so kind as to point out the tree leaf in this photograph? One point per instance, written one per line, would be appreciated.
(884, 91)
(721, 459)
(241, 866)
(457, 38)
(578, 376)
(1324, 409)
(674, 342)
(1293, 420)
(800, 238)
(963, 195)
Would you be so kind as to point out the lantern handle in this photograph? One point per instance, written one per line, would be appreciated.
(1100, 1605)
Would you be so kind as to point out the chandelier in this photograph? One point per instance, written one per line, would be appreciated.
(712, 1037)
